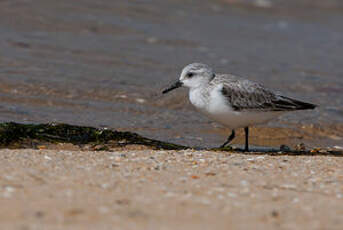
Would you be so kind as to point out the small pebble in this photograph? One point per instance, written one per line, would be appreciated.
(152, 40)
(275, 213)
(140, 100)
(300, 147)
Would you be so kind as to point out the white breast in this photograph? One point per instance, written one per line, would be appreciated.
(199, 99)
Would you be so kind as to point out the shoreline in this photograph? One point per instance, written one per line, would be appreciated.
(71, 137)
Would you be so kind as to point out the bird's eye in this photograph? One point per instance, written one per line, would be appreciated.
(190, 74)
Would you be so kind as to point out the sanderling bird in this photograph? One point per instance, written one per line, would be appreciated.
(232, 101)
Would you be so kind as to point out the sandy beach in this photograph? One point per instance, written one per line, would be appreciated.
(151, 189)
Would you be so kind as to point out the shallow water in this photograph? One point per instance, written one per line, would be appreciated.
(104, 63)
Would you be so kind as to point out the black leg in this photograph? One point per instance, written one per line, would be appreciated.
(246, 130)
(229, 139)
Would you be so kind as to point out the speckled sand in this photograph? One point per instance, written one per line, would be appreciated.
(50, 189)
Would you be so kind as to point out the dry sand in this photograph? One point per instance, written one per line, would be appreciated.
(52, 189)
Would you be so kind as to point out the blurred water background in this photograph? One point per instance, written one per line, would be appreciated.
(103, 63)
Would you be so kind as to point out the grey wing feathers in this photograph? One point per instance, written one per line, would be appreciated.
(247, 95)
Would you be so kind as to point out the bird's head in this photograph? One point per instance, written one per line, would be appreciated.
(193, 76)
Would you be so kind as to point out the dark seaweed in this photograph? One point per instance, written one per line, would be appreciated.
(11, 133)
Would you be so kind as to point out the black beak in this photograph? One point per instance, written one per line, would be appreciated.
(173, 86)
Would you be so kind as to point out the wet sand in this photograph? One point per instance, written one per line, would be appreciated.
(52, 189)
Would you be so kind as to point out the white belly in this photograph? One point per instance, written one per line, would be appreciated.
(215, 107)
(235, 120)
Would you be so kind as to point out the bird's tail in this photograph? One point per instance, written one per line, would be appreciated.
(296, 104)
